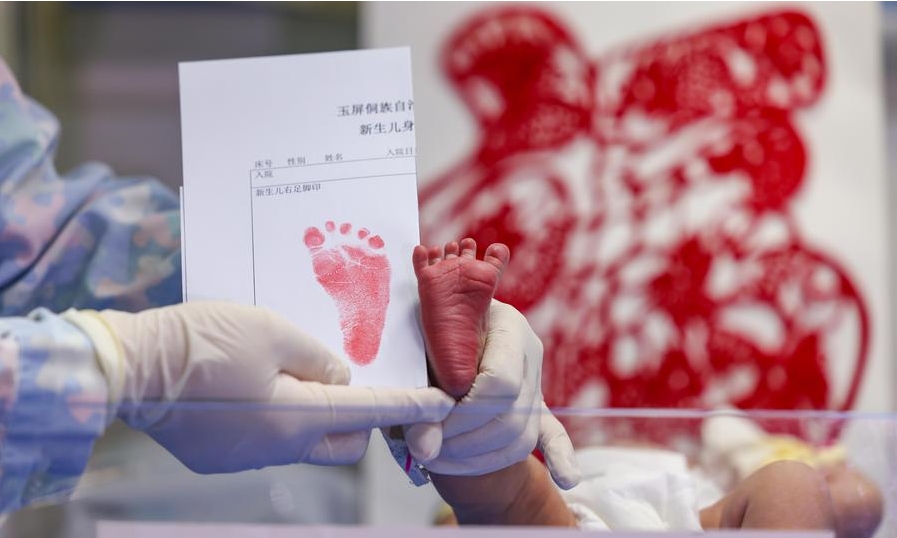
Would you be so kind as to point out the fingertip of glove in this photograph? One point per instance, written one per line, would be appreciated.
(564, 469)
(424, 441)
(561, 460)
(336, 372)
(569, 478)
(341, 374)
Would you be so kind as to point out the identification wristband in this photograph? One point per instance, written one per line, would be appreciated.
(395, 440)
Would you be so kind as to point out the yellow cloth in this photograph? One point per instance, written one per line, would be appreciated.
(785, 447)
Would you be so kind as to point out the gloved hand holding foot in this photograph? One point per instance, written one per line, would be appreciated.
(487, 439)
(279, 395)
(503, 417)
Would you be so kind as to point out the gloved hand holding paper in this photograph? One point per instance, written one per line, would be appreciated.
(226, 387)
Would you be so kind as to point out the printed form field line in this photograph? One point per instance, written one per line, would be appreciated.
(332, 170)
(333, 180)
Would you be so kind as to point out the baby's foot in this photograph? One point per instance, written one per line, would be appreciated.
(354, 271)
(455, 292)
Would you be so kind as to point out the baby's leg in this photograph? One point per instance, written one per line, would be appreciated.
(455, 292)
(781, 495)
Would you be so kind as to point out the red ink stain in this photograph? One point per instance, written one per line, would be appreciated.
(355, 273)
(630, 289)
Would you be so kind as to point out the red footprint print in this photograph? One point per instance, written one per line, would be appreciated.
(354, 271)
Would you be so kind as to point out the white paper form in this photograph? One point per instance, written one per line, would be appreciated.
(300, 195)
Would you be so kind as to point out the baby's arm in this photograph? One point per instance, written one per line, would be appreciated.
(520, 494)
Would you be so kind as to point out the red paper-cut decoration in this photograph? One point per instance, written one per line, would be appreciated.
(646, 198)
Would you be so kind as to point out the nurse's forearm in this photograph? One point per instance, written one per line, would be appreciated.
(520, 494)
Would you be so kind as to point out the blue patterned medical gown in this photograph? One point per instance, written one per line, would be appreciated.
(84, 239)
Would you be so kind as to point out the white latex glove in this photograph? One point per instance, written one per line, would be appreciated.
(503, 416)
(226, 387)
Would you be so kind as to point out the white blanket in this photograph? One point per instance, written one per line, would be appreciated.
(638, 489)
